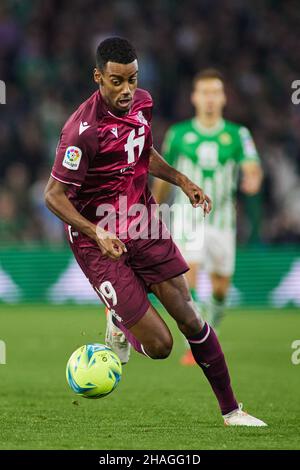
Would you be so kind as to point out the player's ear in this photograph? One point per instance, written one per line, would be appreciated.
(98, 76)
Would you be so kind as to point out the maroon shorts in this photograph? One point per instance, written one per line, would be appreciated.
(123, 285)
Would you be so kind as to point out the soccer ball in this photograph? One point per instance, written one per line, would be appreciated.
(93, 371)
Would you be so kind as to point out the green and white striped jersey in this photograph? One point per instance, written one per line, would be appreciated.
(211, 159)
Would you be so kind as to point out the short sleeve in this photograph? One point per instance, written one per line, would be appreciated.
(147, 106)
(169, 148)
(147, 112)
(73, 155)
(247, 149)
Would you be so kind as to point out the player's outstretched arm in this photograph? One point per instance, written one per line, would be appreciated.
(161, 169)
(57, 201)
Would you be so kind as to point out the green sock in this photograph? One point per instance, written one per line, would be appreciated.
(216, 309)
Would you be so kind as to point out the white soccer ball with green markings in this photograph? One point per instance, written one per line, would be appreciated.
(93, 371)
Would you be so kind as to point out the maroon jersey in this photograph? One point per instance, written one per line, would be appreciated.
(105, 158)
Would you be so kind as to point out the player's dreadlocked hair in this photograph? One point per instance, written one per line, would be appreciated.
(115, 49)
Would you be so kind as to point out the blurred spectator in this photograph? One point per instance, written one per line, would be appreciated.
(51, 228)
(47, 55)
(11, 226)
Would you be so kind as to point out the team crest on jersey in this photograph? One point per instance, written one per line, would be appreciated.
(141, 118)
(72, 158)
(225, 138)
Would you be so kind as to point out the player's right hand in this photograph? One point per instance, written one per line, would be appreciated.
(109, 244)
(196, 196)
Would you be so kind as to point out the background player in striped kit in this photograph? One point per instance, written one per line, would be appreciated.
(211, 150)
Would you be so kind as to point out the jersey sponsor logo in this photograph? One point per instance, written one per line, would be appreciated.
(72, 158)
(126, 168)
(133, 141)
(114, 131)
(83, 127)
(208, 155)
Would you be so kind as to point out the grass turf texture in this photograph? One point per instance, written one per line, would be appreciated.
(158, 404)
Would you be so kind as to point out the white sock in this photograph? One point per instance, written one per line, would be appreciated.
(216, 310)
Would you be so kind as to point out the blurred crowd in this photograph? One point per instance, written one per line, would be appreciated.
(47, 53)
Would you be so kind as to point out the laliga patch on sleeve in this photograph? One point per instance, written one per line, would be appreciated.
(72, 158)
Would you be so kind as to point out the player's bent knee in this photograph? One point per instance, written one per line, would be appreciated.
(160, 349)
(191, 326)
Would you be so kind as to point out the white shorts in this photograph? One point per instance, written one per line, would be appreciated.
(214, 250)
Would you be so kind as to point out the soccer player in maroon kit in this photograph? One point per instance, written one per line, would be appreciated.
(99, 178)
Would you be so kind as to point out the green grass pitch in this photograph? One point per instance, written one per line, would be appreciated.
(158, 404)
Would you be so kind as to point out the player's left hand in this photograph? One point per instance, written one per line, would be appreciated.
(196, 196)
(252, 176)
(250, 185)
